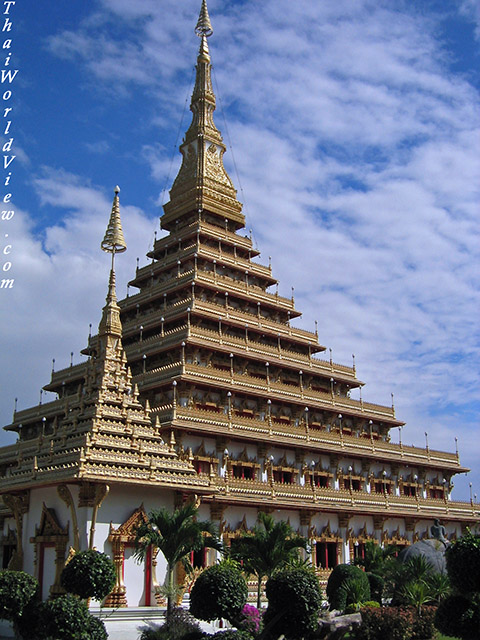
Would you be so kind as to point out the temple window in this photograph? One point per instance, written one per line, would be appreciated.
(243, 472)
(198, 559)
(283, 476)
(326, 555)
(382, 486)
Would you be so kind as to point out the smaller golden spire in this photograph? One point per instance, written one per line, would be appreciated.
(114, 242)
(204, 26)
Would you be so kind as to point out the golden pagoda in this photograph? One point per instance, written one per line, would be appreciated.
(207, 388)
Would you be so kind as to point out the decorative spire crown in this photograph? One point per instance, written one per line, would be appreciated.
(114, 242)
(202, 182)
(204, 26)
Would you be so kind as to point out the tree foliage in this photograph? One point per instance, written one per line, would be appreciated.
(347, 585)
(463, 563)
(459, 616)
(219, 592)
(395, 623)
(89, 574)
(269, 546)
(63, 618)
(176, 534)
(459, 613)
(17, 590)
(294, 600)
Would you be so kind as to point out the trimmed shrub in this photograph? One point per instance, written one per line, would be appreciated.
(89, 574)
(64, 618)
(179, 625)
(394, 623)
(459, 616)
(219, 592)
(423, 627)
(294, 600)
(17, 590)
(346, 585)
(377, 585)
(463, 563)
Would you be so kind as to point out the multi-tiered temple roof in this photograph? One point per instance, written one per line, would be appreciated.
(251, 415)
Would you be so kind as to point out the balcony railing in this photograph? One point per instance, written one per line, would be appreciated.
(314, 438)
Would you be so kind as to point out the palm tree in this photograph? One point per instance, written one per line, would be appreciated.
(270, 545)
(176, 535)
(375, 558)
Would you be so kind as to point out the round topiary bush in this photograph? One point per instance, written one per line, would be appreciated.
(89, 574)
(64, 618)
(294, 599)
(346, 585)
(17, 590)
(463, 563)
(377, 585)
(219, 592)
(459, 616)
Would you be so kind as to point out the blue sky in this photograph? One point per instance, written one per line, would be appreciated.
(355, 133)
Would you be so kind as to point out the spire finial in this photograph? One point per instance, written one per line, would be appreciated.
(114, 242)
(204, 26)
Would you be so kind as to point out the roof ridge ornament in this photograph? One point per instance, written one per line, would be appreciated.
(204, 26)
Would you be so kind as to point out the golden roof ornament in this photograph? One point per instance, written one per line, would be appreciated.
(202, 182)
(114, 242)
(204, 26)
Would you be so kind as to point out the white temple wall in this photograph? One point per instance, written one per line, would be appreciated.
(357, 523)
(48, 568)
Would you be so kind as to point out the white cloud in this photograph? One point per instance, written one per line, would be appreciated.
(471, 10)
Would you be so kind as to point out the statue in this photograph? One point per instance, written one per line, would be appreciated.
(438, 531)
(432, 549)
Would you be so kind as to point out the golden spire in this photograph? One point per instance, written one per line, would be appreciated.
(113, 242)
(202, 182)
(204, 26)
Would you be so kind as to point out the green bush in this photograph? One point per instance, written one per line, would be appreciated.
(392, 623)
(294, 600)
(64, 618)
(346, 585)
(459, 616)
(89, 574)
(179, 625)
(395, 623)
(17, 590)
(377, 585)
(219, 592)
(463, 563)
(423, 627)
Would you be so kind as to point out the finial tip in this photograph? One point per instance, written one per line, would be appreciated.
(117, 190)
(204, 26)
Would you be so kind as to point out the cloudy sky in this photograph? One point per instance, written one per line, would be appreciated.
(353, 135)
